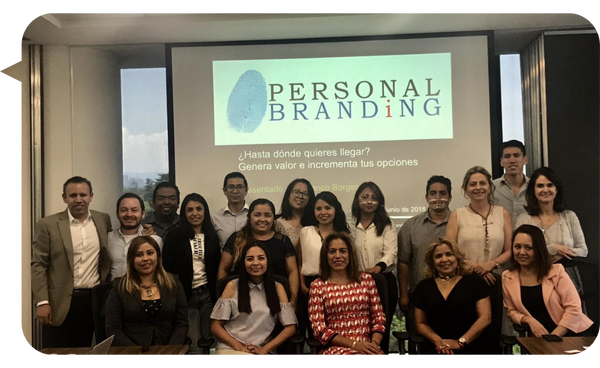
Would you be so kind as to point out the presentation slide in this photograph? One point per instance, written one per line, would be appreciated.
(394, 112)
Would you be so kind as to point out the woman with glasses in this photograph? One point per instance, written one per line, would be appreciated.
(376, 239)
(295, 200)
(192, 252)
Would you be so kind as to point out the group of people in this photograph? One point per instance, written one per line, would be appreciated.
(253, 278)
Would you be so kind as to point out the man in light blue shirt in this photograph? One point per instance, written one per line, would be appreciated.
(511, 187)
(130, 212)
(234, 215)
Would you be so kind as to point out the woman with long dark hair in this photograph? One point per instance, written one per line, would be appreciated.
(538, 293)
(546, 209)
(245, 315)
(295, 201)
(260, 228)
(192, 252)
(376, 240)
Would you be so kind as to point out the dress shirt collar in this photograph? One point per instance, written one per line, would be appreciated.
(226, 208)
(139, 231)
(253, 285)
(504, 181)
(427, 216)
(72, 219)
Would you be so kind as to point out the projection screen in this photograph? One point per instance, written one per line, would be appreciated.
(391, 111)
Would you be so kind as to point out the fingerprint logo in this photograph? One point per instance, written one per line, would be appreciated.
(247, 102)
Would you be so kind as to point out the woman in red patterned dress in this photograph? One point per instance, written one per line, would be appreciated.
(344, 307)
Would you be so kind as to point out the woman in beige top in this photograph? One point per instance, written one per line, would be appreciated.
(295, 201)
(482, 230)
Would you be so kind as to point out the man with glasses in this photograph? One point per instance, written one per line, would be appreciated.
(234, 216)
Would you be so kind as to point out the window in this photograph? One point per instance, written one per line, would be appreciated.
(144, 118)
(512, 103)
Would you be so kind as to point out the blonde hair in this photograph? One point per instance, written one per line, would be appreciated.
(131, 281)
(430, 271)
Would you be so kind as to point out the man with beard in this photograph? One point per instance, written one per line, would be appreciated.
(414, 237)
(130, 212)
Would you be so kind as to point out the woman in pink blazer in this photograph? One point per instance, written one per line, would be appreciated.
(537, 293)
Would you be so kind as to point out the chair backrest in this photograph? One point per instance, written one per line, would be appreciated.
(99, 297)
(587, 271)
(382, 289)
(495, 327)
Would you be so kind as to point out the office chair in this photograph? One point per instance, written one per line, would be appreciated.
(100, 295)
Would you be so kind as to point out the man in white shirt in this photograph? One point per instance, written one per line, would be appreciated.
(511, 187)
(69, 257)
(130, 212)
(234, 216)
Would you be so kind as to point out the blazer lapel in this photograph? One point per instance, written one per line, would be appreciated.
(548, 285)
(64, 227)
(513, 283)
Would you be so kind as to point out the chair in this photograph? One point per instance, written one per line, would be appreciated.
(382, 289)
(100, 295)
(297, 340)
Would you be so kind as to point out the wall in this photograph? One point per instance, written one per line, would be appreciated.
(82, 136)
(572, 92)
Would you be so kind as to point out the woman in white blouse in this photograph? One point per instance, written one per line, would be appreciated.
(244, 317)
(375, 238)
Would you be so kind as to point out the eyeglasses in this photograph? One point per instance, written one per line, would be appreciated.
(367, 197)
(239, 187)
(298, 193)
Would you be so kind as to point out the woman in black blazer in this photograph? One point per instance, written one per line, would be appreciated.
(192, 252)
(147, 306)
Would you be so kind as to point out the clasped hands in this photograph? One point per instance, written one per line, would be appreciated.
(447, 346)
(250, 348)
(368, 348)
(484, 270)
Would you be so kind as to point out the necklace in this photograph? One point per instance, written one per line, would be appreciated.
(148, 289)
(446, 278)
(485, 225)
(560, 232)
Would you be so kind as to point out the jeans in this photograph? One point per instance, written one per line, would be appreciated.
(199, 308)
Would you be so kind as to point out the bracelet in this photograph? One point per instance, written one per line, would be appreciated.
(354, 343)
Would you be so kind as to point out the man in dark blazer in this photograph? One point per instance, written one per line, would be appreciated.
(70, 256)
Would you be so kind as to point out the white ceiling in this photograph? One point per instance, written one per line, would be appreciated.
(121, 29)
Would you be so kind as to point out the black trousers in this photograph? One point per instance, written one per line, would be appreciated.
(77, 329)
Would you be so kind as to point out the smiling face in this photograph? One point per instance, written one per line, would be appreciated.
(478, 187)
(523, 252)
(145, 260)
(166, 202)
(338, 256)
(261, 219)
(194, 213)
(545, 191)
(256, 262)
(130, 213)
(77, 196)
(438, 197)
(324, 212)
(512, 160)
(444, 260)
(299, 196)
(368, 201)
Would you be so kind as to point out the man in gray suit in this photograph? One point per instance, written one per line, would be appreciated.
(70, 257)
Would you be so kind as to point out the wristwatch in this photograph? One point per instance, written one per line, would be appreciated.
(462, 342)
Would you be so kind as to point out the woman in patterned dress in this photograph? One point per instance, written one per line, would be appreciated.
(344, 307)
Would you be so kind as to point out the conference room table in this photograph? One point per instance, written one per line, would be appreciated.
(537, 345)
(120, 350)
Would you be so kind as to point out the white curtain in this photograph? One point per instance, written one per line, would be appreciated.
(533, 78)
